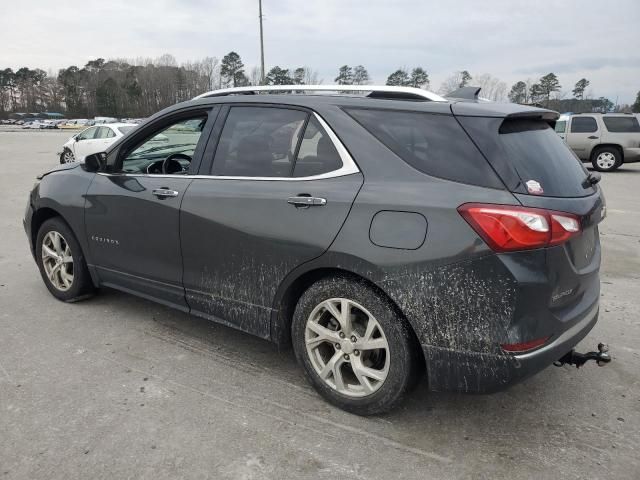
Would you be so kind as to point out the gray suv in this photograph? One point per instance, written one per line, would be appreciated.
(606, 140)
(381, 235)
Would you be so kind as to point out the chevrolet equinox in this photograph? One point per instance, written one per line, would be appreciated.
(382, 234)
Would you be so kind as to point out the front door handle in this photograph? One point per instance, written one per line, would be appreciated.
(306, 201)
(164, 193)
(593, 137)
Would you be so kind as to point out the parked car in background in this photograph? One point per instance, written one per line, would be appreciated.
(379, 234)
(606, 140)
(93, 140)
(74, 123)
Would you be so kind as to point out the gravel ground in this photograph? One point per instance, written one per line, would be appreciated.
(119, 387)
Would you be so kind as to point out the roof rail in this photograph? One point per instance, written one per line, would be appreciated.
(375, 91)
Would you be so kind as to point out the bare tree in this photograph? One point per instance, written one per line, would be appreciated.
(492, 88)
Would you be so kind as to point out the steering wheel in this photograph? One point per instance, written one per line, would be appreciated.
(172, 165)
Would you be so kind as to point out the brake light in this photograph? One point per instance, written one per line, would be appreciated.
(508, 228)
(524, 346)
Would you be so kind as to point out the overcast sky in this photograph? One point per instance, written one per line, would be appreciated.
(512, 39)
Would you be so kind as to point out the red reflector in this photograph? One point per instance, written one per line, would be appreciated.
(524, 346)
(507, 228)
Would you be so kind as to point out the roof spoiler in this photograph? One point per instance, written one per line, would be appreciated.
(538, 114)
(465, 93)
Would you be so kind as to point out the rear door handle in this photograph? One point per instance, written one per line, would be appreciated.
(593, 137)
(305, 201)
(164, 192)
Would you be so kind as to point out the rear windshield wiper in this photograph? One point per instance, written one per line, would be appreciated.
(591, 180)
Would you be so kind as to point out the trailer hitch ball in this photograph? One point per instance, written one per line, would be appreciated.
(578, 359)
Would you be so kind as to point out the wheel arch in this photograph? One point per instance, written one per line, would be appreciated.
(40, 216)
(294, 286)
(600, 146)
(45, 213)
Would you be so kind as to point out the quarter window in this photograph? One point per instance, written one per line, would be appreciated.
(621, 124)
(583, 125)
(434, 144)
(167, 151)
(317, 154)
(561, 126)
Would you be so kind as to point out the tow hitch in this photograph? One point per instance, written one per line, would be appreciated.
(601, 357)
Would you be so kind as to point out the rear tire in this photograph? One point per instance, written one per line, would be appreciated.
(606, 159)
(67, 156)
(61, 262)
(363, 363)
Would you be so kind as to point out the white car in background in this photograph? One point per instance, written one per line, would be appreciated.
(94, 139)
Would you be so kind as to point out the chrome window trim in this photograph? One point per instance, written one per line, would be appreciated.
(349, 166)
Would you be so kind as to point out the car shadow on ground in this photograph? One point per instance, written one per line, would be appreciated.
(496, 412)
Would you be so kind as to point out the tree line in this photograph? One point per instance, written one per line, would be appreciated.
(140, 87)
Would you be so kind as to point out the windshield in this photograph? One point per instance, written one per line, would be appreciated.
(125, 130)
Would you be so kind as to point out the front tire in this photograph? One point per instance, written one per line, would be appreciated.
(61, 262)
(356, 351)
(67, 156)
(606, 159)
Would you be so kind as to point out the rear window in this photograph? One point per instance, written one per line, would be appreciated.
(434, 144)
(621, 124)
(529, 156)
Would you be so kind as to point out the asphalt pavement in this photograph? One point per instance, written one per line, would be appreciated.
(118, 387)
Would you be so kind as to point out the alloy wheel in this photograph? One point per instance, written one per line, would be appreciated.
(606, 160)
(57, 260)
(347, 347)
(68, 156)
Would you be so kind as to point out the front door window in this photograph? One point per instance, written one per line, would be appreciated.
(167, 151)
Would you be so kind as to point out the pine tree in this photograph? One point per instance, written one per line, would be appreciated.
(278, 76)
(549, 84)
(580, 86)
(232, 70)
(636, 106)
(465, 78)
(360, 75)
(399, 78)
(518, 93)
(345, 76)
(419, 78)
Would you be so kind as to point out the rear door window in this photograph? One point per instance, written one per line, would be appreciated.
(434, 144)
(621, 124)
(258, 142)
(583, 125)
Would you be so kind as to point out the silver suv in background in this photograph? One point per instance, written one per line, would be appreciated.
(606, 140)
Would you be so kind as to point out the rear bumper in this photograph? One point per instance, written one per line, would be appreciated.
(474, 372)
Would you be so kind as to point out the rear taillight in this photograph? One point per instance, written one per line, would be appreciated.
(507, 228)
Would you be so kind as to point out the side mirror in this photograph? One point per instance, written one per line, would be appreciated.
(95, 162)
